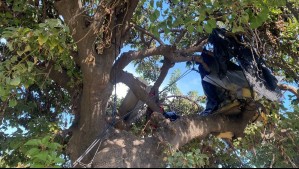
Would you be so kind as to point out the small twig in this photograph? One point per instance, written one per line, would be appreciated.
(288, 157)
(147, 33)
(273, 161)
(185, 97)
(180, 36)
(47, 76)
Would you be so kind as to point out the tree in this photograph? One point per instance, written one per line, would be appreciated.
(64, 56)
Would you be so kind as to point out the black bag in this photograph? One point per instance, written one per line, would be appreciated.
(257, 74)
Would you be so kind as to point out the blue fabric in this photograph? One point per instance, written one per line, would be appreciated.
(172, 116)
(212, 97)
(209, 89)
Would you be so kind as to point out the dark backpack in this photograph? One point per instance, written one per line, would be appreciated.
(257, 74)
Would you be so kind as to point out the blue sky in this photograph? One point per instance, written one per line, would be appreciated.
(190, 82)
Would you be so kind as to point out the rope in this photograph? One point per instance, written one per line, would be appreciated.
(115, 96)
(179, 78)
(101, 136)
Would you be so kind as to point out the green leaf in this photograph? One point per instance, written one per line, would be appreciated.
(37, 166)
(210, 25)
(175, 1)
(27, 48)
(53, 22)
(159, 4)
(255, 23)
(152, 3)
(42, 25)
(33, 151)
(12, 103)
(245, 17)
(60, 49)
(33, 142)
(59, 160)
(263, 15)
(199, 29)
(237, 29)
(15, 82)
(20, 53)
(155, 15)
(53, 43)
(30, 65)
(2, 91)
(46, 140)
(208, 28)
(43, 156)
(54, 146)
(42, 39)
(190, 28)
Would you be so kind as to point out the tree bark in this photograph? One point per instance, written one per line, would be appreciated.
(95, 64)
(124, 149)
(95, 95)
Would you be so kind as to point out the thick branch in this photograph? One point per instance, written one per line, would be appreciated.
(138, 89)
(187, 128)
(73, 15)
(289, 88)
(131, 6)
(131, 151)
(167, 51)
(104, 10)
(127, 57)
(164, 70)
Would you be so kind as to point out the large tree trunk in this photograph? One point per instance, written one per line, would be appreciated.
(95, 95)
(98, 41)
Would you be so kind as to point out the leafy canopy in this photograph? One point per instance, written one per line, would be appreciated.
(38, 40)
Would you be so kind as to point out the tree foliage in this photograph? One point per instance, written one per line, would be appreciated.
(42, 78)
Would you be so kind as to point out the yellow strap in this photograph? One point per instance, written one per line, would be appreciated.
(228, 135)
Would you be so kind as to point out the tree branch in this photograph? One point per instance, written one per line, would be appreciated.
(169, 52)
(294, 11)
(289, 88)
(180, 36)
(198, 47)
(133, 150)
(3, 7)
(74, 17)
(182, 131)
(148, 33)
(138, 89)
(131, 6)
(127, 57)
(61, 78)
(185, 97)
(164, 71)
